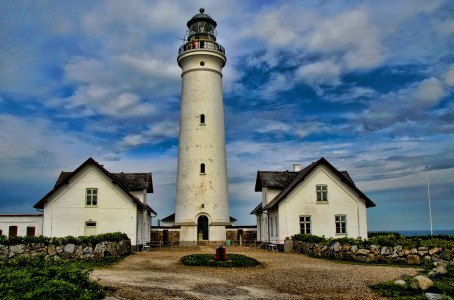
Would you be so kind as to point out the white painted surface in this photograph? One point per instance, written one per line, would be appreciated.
(302, 201)
(22, 222)
(199, 193)
(65, 212)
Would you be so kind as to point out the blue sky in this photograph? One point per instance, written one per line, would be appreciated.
(368, 85)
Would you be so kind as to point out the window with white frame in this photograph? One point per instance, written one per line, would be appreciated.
(91, 197)
(341, 224)
(305, 224)
(322, 193)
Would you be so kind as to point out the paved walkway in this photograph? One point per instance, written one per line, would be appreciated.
(159, 275)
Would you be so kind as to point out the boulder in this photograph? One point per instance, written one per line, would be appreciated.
(446, 255)
(400, 282)
(432, 296)
(413, 259)
(375, 249)
(353, 249)
(3, 252)
(421, 282)
(16, 249)
(438, 272)
(363, 252)
(70, 248)
(337, 247)
(51, 251)
(435, 251)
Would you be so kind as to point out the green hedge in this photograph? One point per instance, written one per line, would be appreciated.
(87, 240)
(42, 278)
(384, 239)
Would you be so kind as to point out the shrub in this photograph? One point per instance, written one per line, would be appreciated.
(207, 260)
(42, 278)
(88, 240)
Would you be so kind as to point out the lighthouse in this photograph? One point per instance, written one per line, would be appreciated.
(202, 204)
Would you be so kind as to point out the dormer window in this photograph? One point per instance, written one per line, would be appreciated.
(202, 119)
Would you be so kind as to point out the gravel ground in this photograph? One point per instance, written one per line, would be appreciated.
(159, 275)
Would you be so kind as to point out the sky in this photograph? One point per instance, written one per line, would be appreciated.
(368, 85)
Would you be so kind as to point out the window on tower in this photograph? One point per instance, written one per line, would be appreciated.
(202, 119)
(202, 168)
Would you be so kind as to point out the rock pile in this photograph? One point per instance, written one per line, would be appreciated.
(68, 251)
(376, 253)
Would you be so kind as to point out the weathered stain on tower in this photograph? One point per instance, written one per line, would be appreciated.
(202, 205)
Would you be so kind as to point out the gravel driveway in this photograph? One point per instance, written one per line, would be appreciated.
(159, 275)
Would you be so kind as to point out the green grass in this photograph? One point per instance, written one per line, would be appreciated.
(443, 286)
(207, 260)
(41, 278)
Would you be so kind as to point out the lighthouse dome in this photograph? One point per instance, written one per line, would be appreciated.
(201, 17)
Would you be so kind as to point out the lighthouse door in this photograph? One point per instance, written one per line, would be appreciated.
(202, 228)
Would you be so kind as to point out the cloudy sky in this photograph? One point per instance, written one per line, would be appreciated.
(368, 85)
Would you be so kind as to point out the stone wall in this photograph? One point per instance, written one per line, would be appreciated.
(67, 251)
(376, 254)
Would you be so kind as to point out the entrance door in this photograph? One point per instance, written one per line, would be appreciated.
(202, 228)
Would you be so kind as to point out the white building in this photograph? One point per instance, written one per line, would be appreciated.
(202, 204)
(316, 200)
(21, 225)
(91, 200)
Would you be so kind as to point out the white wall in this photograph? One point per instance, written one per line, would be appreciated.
(22, 222)
(65, 212)
(341, 200)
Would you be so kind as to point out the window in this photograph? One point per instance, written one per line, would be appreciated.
(12, 231)
(275, 221)
(1, 232)
(202, 119)
(305, 224)
(341, 224)
(271, 226)
(92, 197)
(202, 168)
(322, 193)
(31, 231)
(90, 228)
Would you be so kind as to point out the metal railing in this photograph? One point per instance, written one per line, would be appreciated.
(201, 44)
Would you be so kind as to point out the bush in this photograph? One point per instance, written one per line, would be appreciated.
(389, 239)
(87, 240)
(42, 278)
(207, 260)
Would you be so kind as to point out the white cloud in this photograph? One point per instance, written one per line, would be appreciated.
(319, 73)
(448, 77)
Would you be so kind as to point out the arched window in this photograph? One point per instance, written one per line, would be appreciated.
(202, 168)
(202, 119)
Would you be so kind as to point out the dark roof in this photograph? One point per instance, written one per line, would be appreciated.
(171, 218)
(201, 17)
(273, 179)
(343, 176)
(21, 215)
(132, 181)
(123, 180)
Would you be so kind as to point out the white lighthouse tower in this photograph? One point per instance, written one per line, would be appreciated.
(202, 204)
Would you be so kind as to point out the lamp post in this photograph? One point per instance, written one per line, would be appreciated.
(428, 195)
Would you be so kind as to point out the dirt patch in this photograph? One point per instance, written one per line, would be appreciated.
(159, 275)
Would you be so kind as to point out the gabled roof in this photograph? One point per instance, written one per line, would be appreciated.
(124, 182)
(342, 176)
(132, 181)
(273, 179)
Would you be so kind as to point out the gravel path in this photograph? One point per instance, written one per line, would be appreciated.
(158, 275)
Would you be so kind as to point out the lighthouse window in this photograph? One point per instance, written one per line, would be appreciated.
(202, 63)
(202, 168)
(202, 119)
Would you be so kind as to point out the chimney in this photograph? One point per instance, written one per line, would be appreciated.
(296, 167)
